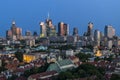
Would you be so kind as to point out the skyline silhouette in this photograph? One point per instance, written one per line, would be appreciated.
(79, 13)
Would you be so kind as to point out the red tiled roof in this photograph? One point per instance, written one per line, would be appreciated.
(39, 75)
(2, 77)
(21, 78)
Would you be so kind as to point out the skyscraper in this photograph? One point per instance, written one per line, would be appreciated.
(13, 28)
(63, 29)
(15, 32)
(97, 35)
(109, 31)
(9, 34)
(90, 29)
(43, 32)
(75, 31)
(27, 33)
(47, 29)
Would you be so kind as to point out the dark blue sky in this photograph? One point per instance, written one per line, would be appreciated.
(77, 13)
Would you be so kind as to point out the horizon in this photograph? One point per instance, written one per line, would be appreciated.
(27, 14)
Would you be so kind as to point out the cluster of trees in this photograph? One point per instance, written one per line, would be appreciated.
(36, 70)
(83, 57)
(19, 56)
(110, 58)
(58, 41)
(83, 71)
(115, 77)
(2, 68)
(89, 47)
(65, 47)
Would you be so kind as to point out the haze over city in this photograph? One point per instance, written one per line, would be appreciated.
(76, 13)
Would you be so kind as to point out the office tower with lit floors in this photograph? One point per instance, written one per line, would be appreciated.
(109, 31)
(90, 29)
(15, 33)
(63, 29)
(47, 29)
(97, 37)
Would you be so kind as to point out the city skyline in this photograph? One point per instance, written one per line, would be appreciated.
(28, 17)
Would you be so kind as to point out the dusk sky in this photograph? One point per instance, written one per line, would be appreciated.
(77, 13)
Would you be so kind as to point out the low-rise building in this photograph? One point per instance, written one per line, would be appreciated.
(31, 57)
(62, 65)
(43, 76)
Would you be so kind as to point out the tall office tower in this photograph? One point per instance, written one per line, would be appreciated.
(97, 35)
(47, 28)
(9, 34)
(28, 33)
(63, 29)
(43, 28)
(90, 29)
(51, 29)
(49, 23)
(109, 31)
(18, 33)
(13, 28)
(15, 31)
(35, 33)
(75, 31)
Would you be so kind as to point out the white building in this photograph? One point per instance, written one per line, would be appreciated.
(69, 52)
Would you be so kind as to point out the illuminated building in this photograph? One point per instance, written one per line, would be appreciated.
(14, 33)
(90, 29)
(97, 37)
(28, 58)
(109, 31)
(63, 29)
(47, 29)
(9, 34)
(31, 57)
(43, 32)
(98, 53)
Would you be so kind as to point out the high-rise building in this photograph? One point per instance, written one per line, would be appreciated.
(14, 33)
(13, 28)
(18, 33)
(97, 35)
(90, 29)
(47, 28)
(75, 31)
(109, 31)
(9, 34)
(35, 33)
(28, 33)
(43, 28)
(63, 29)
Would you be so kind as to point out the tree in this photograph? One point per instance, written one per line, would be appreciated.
(65, 75)
(19, 56)
(81, 73)
(83, 57)
(115, 77)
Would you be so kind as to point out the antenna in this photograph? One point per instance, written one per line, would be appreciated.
(48, 15)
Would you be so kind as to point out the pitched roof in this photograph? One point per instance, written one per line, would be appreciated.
(62, 65)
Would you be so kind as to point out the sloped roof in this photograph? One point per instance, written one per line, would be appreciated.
(57, 66)
(53, 66)
(65, 62)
